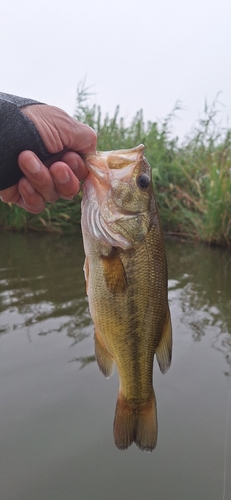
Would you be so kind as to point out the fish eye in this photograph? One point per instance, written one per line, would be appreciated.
(143, 181)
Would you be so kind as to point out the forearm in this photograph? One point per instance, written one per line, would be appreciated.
(17, 133)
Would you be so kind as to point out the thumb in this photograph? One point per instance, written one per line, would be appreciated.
(59, 131)
(80, 138)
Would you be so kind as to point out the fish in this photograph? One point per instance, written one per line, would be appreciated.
(126, 283)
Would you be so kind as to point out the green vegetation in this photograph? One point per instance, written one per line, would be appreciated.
(192, 180)
(60, 217)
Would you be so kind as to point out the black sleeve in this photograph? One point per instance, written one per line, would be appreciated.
(17, 133)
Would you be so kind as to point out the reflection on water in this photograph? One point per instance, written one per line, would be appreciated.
(41, 278)
(199, 280)
(55, 425)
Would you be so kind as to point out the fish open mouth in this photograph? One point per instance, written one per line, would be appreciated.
(118, 160)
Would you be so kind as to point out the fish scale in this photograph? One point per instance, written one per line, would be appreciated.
(126, 275)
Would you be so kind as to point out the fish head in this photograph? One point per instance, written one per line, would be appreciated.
(120, 182)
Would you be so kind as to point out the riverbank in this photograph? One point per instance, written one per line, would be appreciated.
(192, 180)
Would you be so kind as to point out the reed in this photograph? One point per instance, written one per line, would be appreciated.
(192, 179)
(199, 192)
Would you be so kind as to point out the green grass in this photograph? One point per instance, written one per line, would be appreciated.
(192, 180)
(60, 217)
(199, 194)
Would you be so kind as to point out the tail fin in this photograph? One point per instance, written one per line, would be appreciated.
(136, 423)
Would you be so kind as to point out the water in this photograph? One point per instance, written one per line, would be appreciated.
(56, 408)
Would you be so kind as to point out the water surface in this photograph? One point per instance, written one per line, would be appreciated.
(56, 408)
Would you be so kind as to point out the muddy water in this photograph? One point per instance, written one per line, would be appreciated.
(56, 408)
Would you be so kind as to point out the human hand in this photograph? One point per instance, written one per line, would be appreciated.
(62, 133)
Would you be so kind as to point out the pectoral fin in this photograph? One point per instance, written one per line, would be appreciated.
(114, 273)
(164, 348)
(103, 358)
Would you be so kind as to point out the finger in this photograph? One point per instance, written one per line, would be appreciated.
(76, 163)
(65, 181)
(30, 200)
(10, 195)
(38, 175)
(81, 138)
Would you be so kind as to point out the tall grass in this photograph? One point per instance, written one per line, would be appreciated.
(192, 180)
(199, 194)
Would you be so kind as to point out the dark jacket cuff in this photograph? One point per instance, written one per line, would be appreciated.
(17, 133)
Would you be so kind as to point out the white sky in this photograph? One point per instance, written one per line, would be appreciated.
(136, 53)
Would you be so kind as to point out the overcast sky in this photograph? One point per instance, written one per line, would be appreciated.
(136, 53)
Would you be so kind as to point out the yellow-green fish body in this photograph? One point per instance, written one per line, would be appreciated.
(126, 277)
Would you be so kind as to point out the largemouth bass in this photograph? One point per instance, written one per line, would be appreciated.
(126, 282)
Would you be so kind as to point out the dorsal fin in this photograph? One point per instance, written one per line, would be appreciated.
(164, 348)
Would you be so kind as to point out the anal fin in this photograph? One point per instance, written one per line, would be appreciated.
(164, 348)
(103, 358)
